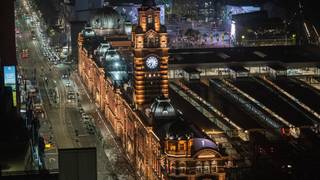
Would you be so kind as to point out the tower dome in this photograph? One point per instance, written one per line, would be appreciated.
(163, 109)
(179, 129)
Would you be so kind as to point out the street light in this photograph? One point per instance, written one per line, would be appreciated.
(116, 64)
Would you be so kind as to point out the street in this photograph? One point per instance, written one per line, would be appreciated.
(61, 123)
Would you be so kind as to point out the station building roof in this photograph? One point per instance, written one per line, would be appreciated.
(238, 69)
(255, 56)
(190, 70)
(277, 67)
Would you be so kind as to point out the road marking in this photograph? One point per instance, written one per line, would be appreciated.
(83, 135)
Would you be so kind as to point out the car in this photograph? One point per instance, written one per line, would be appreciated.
(87, 121)
(91, 131)
(65, 76)
(68, 84)
(71, 98)
(86, 116)
(38, 108)
(71, 93)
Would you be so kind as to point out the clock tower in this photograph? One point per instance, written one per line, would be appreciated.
(150, 41)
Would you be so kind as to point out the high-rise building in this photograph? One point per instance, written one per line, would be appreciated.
(202, 10)
(13, 141)
(8, 58)
(185, 8)
(7, 34)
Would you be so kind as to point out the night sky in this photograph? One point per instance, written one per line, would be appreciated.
(312, 11)
(311, 8)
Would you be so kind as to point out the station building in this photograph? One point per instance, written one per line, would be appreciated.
(130, 84)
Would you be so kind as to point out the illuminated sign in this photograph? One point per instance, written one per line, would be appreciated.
(233, 30)
(10, 81)
(233, 10)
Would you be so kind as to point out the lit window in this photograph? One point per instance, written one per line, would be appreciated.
(181, 147)
(172, 147)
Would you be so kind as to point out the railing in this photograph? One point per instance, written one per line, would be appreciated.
(307, 108)
(197, 171)
(294, 131)
(244, 103)
(192, 98)
(268, 42)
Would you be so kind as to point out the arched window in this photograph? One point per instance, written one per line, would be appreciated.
(206, 167)
(214, 166)
(199, 167)
(182, 167)
(151, 40)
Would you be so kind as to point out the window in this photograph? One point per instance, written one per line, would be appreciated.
(149, 19)
(151, 40)
(172, 147)
(181, 148)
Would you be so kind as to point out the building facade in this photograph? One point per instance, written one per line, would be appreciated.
(151, 58)
(158, 142)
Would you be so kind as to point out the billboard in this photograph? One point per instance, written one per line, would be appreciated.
(10, 80)
(234, 10)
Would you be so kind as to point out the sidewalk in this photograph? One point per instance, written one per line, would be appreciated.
(112, 149)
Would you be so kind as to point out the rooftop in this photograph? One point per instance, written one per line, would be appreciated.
(108, 58)
(244, 55)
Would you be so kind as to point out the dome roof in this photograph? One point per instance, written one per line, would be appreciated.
(88, 32)
(203, 143)
(162, 109)
(112, 55)
(178, 129)
(106, 18)
(103, 48)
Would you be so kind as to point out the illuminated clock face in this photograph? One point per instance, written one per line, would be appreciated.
(152, 62)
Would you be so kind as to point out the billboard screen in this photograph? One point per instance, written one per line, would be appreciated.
(10, 81)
